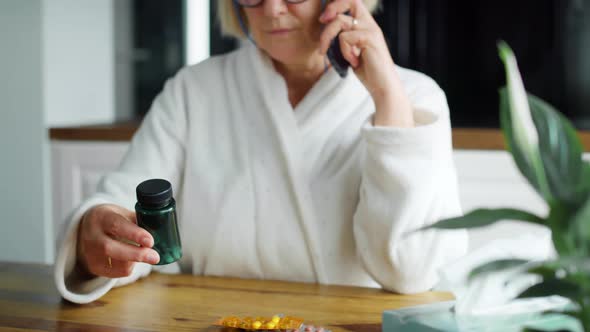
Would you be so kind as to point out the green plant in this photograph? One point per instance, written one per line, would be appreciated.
(548, 152)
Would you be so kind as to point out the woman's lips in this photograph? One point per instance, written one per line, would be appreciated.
(280, 32)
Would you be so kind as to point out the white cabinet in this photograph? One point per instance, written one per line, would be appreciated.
(486, 179)
(76, 170)
(490, 179)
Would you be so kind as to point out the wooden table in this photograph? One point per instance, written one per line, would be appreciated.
(30, 302)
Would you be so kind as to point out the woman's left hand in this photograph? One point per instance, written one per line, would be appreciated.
(363, 46)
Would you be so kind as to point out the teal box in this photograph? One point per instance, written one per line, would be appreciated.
(440, 317)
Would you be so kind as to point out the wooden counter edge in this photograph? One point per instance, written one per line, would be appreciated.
(492, 139)
(108, 132)
(463, 138)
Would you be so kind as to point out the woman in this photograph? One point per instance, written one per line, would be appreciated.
(282, 169)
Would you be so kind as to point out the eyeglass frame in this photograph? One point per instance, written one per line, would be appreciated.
(293, 2)
(238, 5)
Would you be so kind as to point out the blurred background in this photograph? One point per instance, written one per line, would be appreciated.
(76, 77)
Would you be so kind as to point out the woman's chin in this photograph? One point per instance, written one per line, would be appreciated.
(287, 55)
(284, 58)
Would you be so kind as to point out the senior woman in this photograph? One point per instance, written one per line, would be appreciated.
(281, 168)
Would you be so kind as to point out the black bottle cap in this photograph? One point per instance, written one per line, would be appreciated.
(154, 193)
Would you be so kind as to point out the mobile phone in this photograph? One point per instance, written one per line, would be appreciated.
(336, 57)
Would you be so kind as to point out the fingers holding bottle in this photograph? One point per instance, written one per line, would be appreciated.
(110, 242)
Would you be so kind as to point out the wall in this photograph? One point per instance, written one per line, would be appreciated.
(58, 69)
(87, 52)
(62, 63)
(24, 209)
(196, 23)
(124, 59)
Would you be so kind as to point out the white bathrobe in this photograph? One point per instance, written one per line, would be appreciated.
(265, 191)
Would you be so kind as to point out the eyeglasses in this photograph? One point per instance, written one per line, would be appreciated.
(255, 3)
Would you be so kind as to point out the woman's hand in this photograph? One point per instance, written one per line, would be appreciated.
(363, 46)
(105, 238)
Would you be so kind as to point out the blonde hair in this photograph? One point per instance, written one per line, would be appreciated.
(230, 24)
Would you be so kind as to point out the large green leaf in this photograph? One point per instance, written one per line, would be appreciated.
(529, 163)
(571, 313)
(553, 286)
(561, 153)
(558, 221)
(495, 266)
(569, 272)
(517, 125)
(485, 217)
(564, 265)
(557, 321)
(579, 230)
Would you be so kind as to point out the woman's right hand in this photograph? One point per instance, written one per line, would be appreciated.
(102, 249)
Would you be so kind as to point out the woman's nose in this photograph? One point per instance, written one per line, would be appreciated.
(273, 8)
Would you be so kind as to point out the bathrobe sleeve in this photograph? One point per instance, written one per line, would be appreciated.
(409, 181)
(156, 151)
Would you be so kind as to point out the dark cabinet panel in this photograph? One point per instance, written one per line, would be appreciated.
(454, 41)
(159, 47)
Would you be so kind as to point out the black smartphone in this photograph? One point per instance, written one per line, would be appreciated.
(336, 58)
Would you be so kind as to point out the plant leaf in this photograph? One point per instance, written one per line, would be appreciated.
(564, 265)
(517, 125)
(561, 153)
(553, 286)
(528, 162)
(545, 271)
(579, 229)
(570, 313)
(558, 213)
(494, 266)
(561, 325)
(485, 217)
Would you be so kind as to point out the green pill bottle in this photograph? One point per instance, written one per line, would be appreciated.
(156, 213)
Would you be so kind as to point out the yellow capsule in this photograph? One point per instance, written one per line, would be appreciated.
(271, 325)
(276, 319)
(256, 324)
